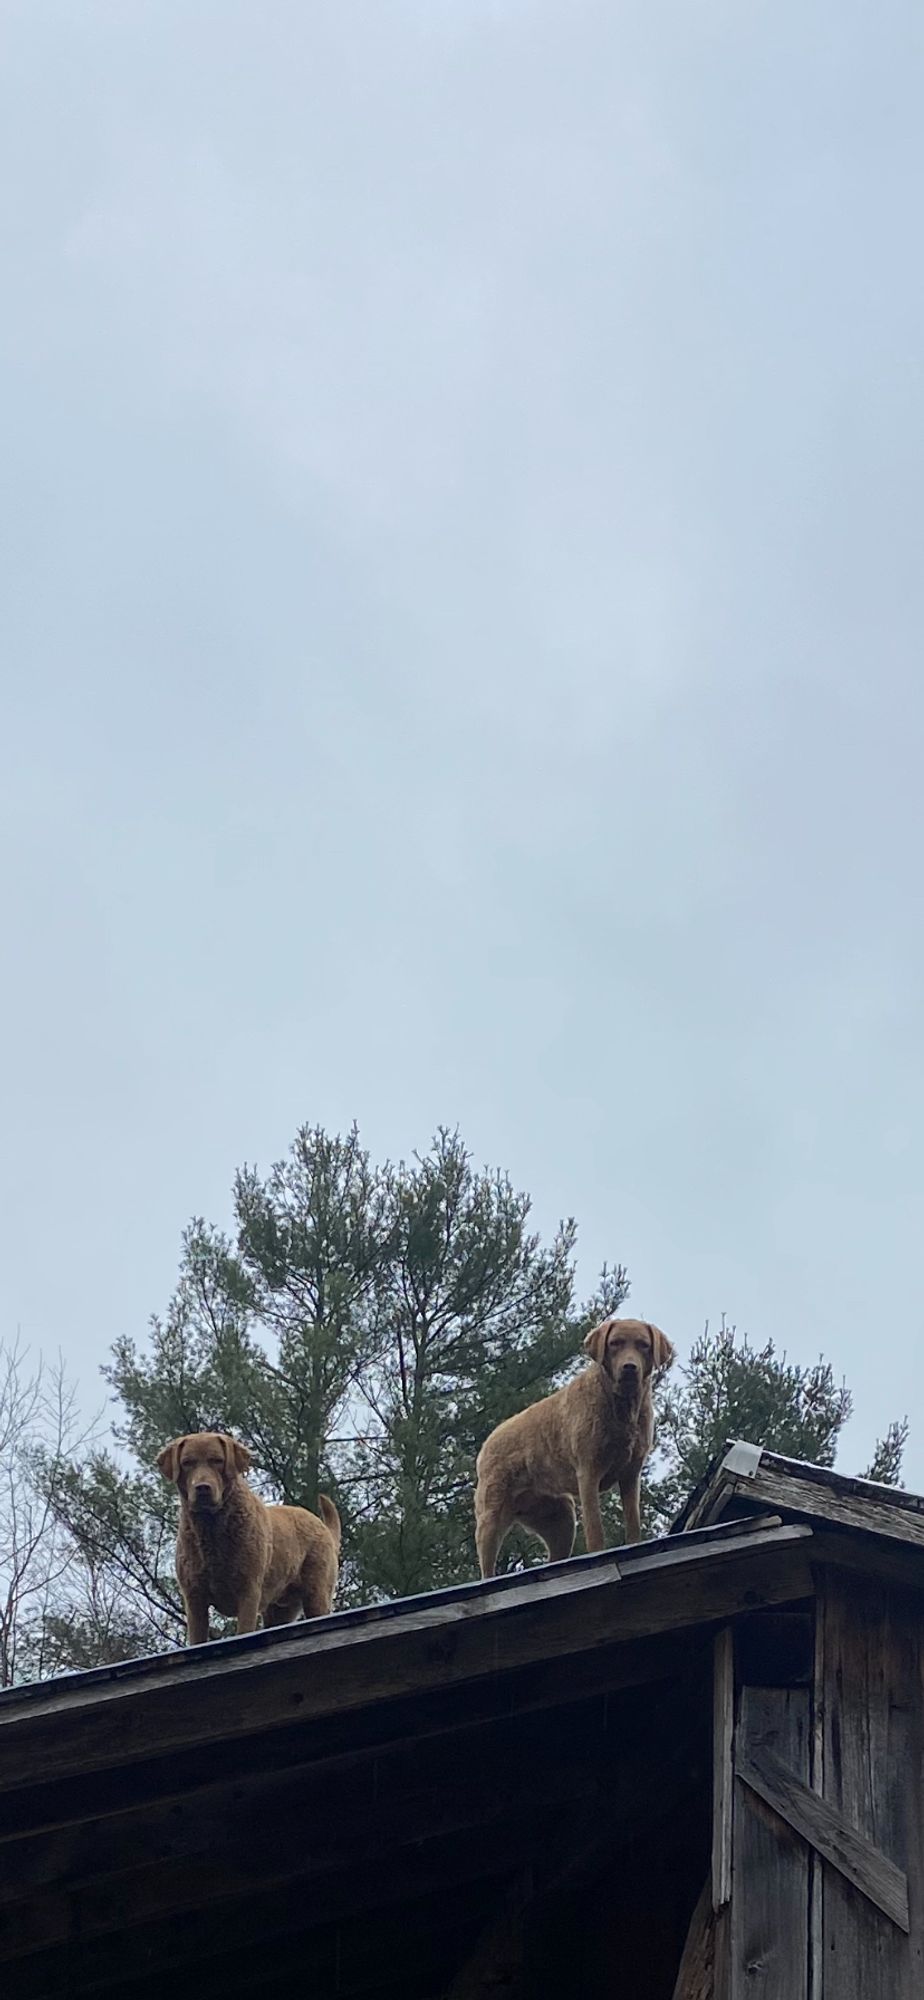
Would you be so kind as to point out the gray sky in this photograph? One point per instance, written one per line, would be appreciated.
(462, 615)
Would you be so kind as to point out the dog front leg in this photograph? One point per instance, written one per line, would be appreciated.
(197, 1620)
(589, 1494)
(629, 1495)
(248, 1611)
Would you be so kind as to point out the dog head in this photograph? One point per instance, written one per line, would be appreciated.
(204, 1465)
(630, 1352)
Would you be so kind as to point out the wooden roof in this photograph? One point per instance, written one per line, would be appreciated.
(351, 1796)
(346, 1800)
(866, 1524)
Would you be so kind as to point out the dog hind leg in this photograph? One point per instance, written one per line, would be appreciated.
(493, 1520)
(552, 1518)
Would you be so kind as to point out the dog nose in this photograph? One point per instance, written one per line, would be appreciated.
(202, 1486)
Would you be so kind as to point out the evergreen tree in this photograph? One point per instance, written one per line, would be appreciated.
(262, 1338)
(362, 1332)
(886, 1463)
(730, 1389)
(478, 1320)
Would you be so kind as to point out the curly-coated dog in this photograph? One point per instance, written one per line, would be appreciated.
(238, 1554)
(593, 1434)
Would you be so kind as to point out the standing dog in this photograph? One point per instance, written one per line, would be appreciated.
(234, 1552)
(593, 1434)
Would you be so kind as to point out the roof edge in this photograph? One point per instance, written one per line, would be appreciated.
(743, 1460)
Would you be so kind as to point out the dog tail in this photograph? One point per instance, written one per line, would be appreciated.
(330, 1518)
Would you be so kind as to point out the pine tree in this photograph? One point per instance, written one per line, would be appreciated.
(731, 1389)
(479, 1320)
(362, 1330)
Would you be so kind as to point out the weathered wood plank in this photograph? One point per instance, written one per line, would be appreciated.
(436, 1609)
(769, 1951)
(335, 1671)
(825, 1830)
(893, 1562)
(467, 1600)
(817, 1762)
(124, 1794)
(338, 1792)
(872, 1711)
(696, 1978)
(747, 1473)
(723, 1779)
(771, 1487)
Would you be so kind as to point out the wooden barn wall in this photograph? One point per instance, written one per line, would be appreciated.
(761, 1870)
(871, 1753)
(818, 1838)
(768, 1932)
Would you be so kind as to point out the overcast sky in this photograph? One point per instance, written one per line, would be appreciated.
(462, 614)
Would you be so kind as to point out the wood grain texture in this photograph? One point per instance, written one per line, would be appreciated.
(812, 1490)
(872, 1714)
(825, 1830)
(350, 1666)
(723, 1776)
(769, 1946)
(124, 1794)
(843, 1507)
(817, 1761)
(696, 1978)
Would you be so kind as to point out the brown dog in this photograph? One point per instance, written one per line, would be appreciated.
(234, 1552)
(593, 1434)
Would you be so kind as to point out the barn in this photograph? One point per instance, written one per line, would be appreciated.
(687, 1770)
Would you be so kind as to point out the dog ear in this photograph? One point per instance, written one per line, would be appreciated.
(237, 1456)
(662, 1351)
(168, 1460)
(595, 1341)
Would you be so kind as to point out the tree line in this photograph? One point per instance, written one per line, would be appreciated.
(362, 1328)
